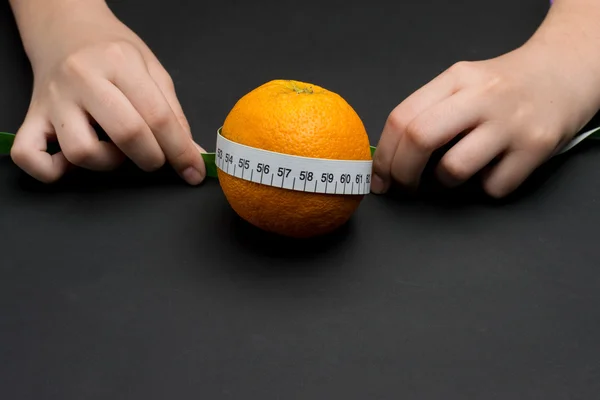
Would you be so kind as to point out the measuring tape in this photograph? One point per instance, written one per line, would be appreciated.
(293, 172)
(303, 174)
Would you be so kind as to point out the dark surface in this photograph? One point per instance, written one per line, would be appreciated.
(129, 286)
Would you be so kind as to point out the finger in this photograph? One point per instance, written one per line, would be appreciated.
(438, 89)
(471, 154)
(123, 124)
(166, 85)
(164, 81)
(178, 146)
(510, 172)
(532, 148)
(79, 142)
(28, 151)
(431, 130)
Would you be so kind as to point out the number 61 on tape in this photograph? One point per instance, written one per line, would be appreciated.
(303, 174)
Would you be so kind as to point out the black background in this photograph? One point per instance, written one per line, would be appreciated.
(136, 286)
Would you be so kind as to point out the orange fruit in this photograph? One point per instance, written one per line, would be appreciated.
(302, 119)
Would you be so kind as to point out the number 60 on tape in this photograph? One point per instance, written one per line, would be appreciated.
(304, 174)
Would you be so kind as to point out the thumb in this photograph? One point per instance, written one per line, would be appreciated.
(382, 160)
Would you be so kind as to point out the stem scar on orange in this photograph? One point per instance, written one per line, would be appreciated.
(302, 119)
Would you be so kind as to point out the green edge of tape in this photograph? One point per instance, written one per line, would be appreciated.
(7, 139)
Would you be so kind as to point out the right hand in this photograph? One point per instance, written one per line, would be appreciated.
(89, 67)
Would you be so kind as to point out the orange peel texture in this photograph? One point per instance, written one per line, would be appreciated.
(302, 119)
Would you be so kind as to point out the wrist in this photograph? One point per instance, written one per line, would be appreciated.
(36, 19)
(566, 46)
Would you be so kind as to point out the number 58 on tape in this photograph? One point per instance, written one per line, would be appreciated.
(304, 174)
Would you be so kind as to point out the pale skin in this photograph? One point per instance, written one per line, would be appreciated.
(88, 66)
(516, 109)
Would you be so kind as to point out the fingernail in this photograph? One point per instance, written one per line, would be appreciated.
(378, 185)
(192, 176)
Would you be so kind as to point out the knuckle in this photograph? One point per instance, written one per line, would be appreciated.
(524, 112)
(168, 81)
(153, 162)
(456, 168)
(381, 157)
(182, 156)
(474, 73)
(541, 141)
(380, 166)
(496, 85)
(396, 123)
(106, 100)
(49, 177)
(22, 157)
(382, 162)
(417, 134)
(184, 123)
(79, 155)
(461, 68)
(158, 116)
(19, 155)
(116, 52)
(165, 79)
(129, 133)
(158, 72)
(74, 65)
(53, 89)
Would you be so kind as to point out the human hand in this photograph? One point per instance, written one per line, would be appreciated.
(509, 114)
(89, 67)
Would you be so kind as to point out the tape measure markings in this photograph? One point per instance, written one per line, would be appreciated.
(303, 174)
(211, 163)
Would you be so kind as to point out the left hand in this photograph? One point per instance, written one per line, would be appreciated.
(516, 109)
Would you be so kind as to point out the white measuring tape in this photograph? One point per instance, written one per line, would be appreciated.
(303, 174)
